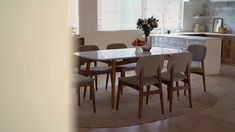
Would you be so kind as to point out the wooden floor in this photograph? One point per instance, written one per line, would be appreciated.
(218, 118)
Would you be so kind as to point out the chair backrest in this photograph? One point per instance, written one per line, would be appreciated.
(116, 46)
(150, 65)
(180, 62)
(83, 48)
(198, 51)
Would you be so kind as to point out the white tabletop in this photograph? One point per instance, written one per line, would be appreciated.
(116, 54)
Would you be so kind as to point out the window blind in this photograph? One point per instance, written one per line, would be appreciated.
(123, 14)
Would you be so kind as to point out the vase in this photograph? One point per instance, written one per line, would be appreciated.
(138, 50)
(148, 43)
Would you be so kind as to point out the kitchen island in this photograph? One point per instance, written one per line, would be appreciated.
(213, 56)
(228, 44)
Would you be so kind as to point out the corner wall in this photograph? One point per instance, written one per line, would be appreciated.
(34, 66)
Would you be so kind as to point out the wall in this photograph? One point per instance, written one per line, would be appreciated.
(225, 10)
(88, 28)
(34, 73)
(190, 9)
(88, 25)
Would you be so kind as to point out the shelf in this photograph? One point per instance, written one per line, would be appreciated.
(199, 17)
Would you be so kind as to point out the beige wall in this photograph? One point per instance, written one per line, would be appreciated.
(88, 27)
(34, 66)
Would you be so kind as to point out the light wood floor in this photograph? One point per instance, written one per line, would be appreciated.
(218, 118)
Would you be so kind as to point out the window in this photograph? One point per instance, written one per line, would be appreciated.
(73, 15)
(123, 14)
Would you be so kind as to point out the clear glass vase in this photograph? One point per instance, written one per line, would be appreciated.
(148, 43)
(138, 50)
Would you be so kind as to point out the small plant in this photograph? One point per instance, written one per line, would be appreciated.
(147, 25)
(138, 42)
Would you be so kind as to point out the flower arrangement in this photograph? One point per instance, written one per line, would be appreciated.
(147, 25)
(138, 42)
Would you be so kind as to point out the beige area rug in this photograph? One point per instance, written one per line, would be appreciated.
(127, 114)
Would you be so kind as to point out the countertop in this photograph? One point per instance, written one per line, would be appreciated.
(207, 33)
(185, 36)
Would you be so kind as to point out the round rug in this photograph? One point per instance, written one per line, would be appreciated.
(127, 114)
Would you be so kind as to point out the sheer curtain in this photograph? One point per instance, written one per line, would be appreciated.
(123, 14)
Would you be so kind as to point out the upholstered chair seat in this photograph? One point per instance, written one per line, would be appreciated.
(83, 81)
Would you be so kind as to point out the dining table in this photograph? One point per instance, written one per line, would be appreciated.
(114, 55)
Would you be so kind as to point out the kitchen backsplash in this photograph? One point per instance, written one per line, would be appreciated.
(225, 10)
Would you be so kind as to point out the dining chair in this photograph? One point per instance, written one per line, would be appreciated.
(148, 72)
(123, 65)
(197, 66)
(83, 81)
(89, 70)
(177, 71)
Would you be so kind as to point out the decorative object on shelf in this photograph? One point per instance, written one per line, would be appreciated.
(223, 29)
(218, 22)
(198, 27)
(138, 43)
(147, 25)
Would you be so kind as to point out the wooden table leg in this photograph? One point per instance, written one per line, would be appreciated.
(113, 78)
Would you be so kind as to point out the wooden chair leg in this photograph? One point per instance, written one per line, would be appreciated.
(204, 81)
(161, 99)
(147, 97)
(96, 83)
(78, 95)
(84, 93)
(93, 97)
(168, 92)
(91, 93)
(107, 81)
(122, 75)
(171, 98)
(140, 104)
(177, 85)
(118, 94)
(185, 94)
(190, 98)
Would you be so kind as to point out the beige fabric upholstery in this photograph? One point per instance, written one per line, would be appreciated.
(150, 65)
(81, 79)
(130, 66)
(197, 67)
(196, 64)
(135, 80)
(178, 70)
(125, 67)
(177, 76)
(198, 51)
(93, 71)
(180, 62)
(116, 46)
(98, 70)
(83, 48)
(148, 72)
